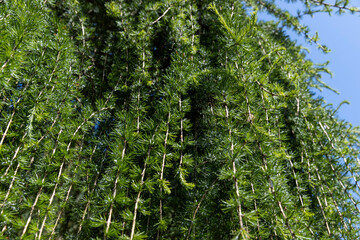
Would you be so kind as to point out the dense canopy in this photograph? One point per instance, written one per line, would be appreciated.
(172, 119)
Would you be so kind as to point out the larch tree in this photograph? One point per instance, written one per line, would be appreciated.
(172, 119)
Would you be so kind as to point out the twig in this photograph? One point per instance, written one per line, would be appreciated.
(198, 207)
(160, 16)
(335, 6)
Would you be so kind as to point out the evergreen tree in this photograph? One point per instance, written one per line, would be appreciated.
(132, 119)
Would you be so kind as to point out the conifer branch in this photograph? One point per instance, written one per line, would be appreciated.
(181, 133)
(32, 208)
(51, 76)
(9, 123)
(82, 29)
(344, 7)
(141, 185)
(16, 46)
(139, 91)
(9, 189)
(324, 216)
(273, 191)
(338, 210)
(296, 182)
(40, 190)
(51, 199)
(256, 209)
(342, 156)
(62, 209)
(198, 207)
(18, 100)
(13, 158)
(321, 191)
(82, 124)
(17, 151)
(336, 174)
(17, 167)
(295, 177)
(265, 167)
(158, 19)
(108, 222)
(162, 171)
(91, 192)
(239, 211)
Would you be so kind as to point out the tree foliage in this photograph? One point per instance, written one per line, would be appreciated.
(169, 120)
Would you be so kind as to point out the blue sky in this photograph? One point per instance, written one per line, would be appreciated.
(342, 35)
